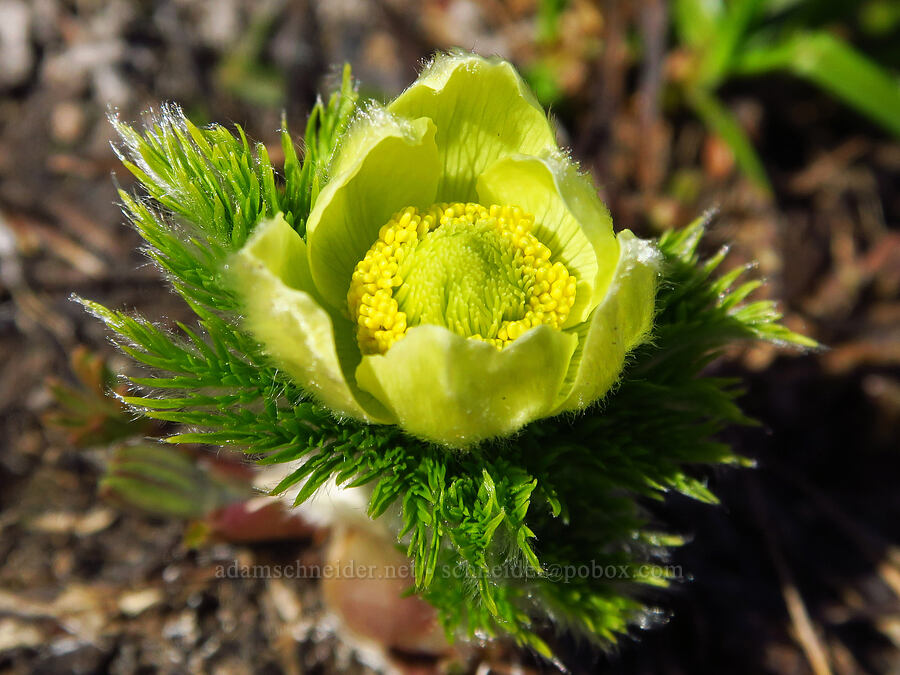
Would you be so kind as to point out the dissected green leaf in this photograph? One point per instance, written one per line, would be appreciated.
(164, 481)
(90, 413)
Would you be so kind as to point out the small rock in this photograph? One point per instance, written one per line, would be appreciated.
(15, 634)
(80, 609)
(67, 122)
(221, 24)
(183, 628)
(95, 520)
(82, 524)
(16, 53)
(137, 602)
(284, 600)
(171, 574)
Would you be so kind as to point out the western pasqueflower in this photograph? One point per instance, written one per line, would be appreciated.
(459, 277)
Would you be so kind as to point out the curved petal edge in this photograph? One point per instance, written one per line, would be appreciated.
(386, 164)
(456, 391)
(483, 111)
(569, 218)
(271, 276)
(621, 322)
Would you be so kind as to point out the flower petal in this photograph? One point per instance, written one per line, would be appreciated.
(457, 391)
(272, 276)
(483, 110)
(619, 324)
(385, 165)
(569, 219)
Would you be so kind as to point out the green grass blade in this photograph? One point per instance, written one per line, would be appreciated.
(729, 33)
(696, 20)
(718, 118)
(837, 68)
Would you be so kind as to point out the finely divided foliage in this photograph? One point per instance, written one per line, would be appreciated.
(485, 528)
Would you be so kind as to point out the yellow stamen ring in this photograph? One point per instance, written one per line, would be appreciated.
(476, 270)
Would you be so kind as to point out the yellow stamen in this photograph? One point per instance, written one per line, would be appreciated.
(477, 270)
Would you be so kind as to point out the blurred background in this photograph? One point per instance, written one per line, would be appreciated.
(784, 114)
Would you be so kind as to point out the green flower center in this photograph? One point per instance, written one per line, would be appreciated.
(478, 271)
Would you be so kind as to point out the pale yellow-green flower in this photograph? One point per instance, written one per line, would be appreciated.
(459, 278)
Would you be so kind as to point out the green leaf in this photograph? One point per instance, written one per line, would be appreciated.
(697, 20)
(549, 13)
(837, 68)
(164, 481)
(730, 31)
